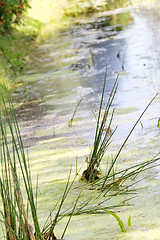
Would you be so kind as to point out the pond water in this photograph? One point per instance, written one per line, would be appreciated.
(71, 66)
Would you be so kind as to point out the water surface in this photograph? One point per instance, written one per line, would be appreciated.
(71, 66)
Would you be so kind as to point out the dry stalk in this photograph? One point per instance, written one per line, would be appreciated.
(27, 226)
(71, 120)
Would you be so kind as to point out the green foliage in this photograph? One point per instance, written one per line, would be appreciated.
(103, 137)
(103, 134)
(83, 7)
(17, 47)
(10, 12)
(13, 59)
(13, 158)
(120, 222)
(129, 221)
(158, 124)
(15, 174)
(15, 42)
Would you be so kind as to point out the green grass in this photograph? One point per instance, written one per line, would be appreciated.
(16, 49)
(120, 222)
(21, 220)
(15, 166)
(112, 179)
(14, 212)
(103, 135)
(19, 198)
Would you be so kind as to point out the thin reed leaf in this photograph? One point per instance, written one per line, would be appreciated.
(129, 221)
(103, 135)
(120, 222)
(100, 108)
(70, 216)
(18, 152)
(61, 204)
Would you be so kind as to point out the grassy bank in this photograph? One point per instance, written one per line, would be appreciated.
(45, 18)
(61, 14)
(15, 48)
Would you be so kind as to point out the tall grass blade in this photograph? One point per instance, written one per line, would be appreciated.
(129, 221)
(120, 222)
(70, 216)
(11, 170)
(100, 108)
(102, 136)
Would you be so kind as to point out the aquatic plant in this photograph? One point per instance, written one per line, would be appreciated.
(158, 124)
(19, 199)
(74, 113)
(19, 211)
(132, 171)
(13, 160)
(103, 136)
(15, 176)
(120, 222)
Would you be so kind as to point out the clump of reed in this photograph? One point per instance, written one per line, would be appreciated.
(103, 138)
(103, 135)
(19, 212)
(13, 164)
(19, 207)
